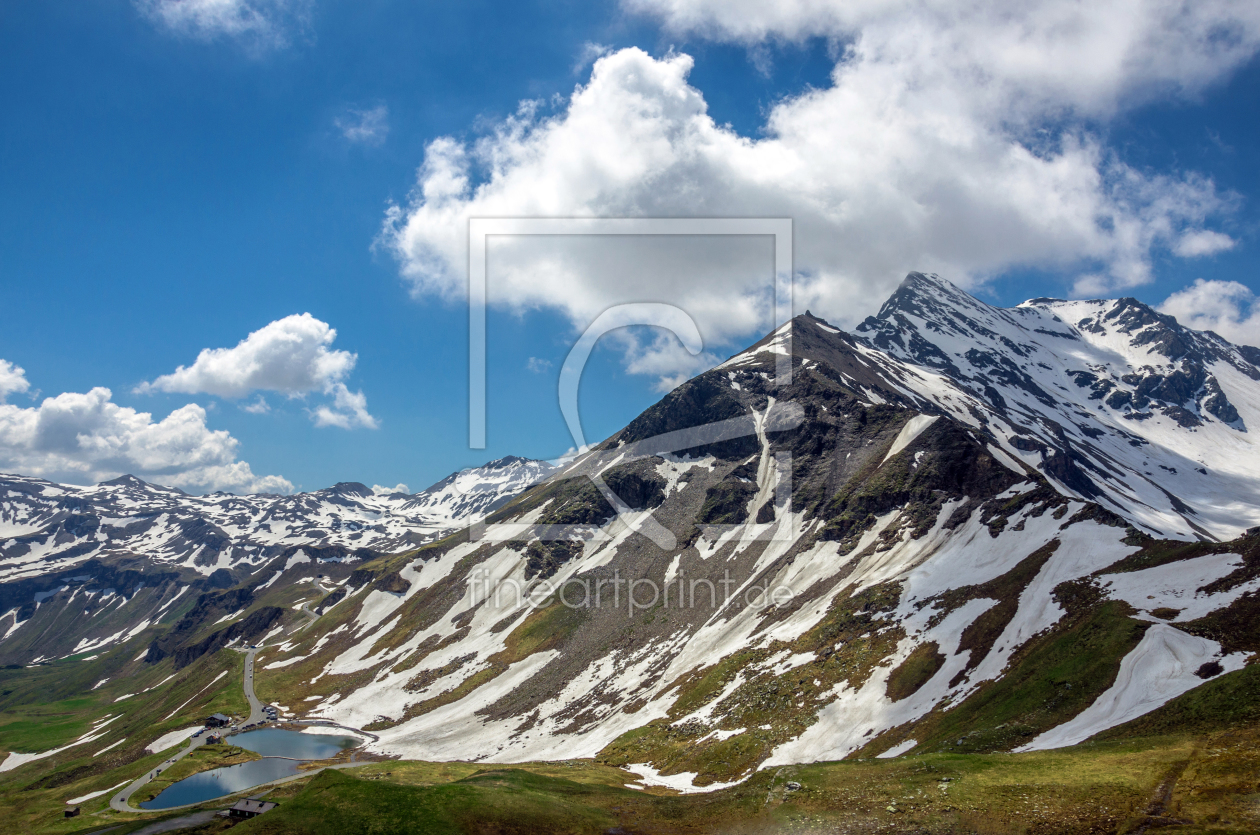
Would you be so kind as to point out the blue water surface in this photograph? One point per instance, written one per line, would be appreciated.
(274, 744)
(277, 742)
(222, 781)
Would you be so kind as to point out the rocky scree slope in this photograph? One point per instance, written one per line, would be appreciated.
(980, 555)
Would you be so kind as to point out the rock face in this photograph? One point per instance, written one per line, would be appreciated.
(947, 531)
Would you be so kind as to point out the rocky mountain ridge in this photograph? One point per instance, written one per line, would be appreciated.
(1111, 400)
(84, 568)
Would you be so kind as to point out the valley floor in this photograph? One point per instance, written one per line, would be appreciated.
(1179, 784)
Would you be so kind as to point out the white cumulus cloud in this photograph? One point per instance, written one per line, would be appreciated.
(588, 54)
(1226, 307)
(385, 491)
(348, 410)
(12, 380)
(290, 356)
(1203, 242)
(87, 438)
(368, 127)
(955, 137)
(258, 406)
(262, 23)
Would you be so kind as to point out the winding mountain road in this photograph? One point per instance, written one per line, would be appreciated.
(255, 706)
(121, 801)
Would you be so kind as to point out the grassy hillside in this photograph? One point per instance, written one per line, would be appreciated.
(1181, 784)
(36, 717)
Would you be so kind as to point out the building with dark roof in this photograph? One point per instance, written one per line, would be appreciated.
(250, 808)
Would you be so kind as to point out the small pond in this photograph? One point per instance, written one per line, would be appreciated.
(277, 747)
(277, 742)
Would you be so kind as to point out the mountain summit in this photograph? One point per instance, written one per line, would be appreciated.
(1110, 399)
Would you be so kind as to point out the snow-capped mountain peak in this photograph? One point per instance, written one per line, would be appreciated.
(1114, 401)
(477, 492)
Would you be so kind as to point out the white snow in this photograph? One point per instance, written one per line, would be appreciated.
(299, 557)
(232, 616)
(898, 749)
(86, 797)
(683, 783)
(274, 577)
(97, 731)
(914, 428)
(1004, 459)
(168, 740)
(331, 730)
(1174, 586)
(14, 626)
(1160, 668)
(274, 665)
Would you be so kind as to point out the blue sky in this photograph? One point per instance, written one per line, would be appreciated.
(179, 174)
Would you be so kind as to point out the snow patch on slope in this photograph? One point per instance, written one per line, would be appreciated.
(1159, 669)
(914, 428)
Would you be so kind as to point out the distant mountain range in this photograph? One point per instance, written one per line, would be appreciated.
(59, 543)
(996, 529)
(46, 527)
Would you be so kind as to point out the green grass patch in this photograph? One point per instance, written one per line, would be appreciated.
(1095, 788)
(39, 727)
(915, 671)
(501, 801)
